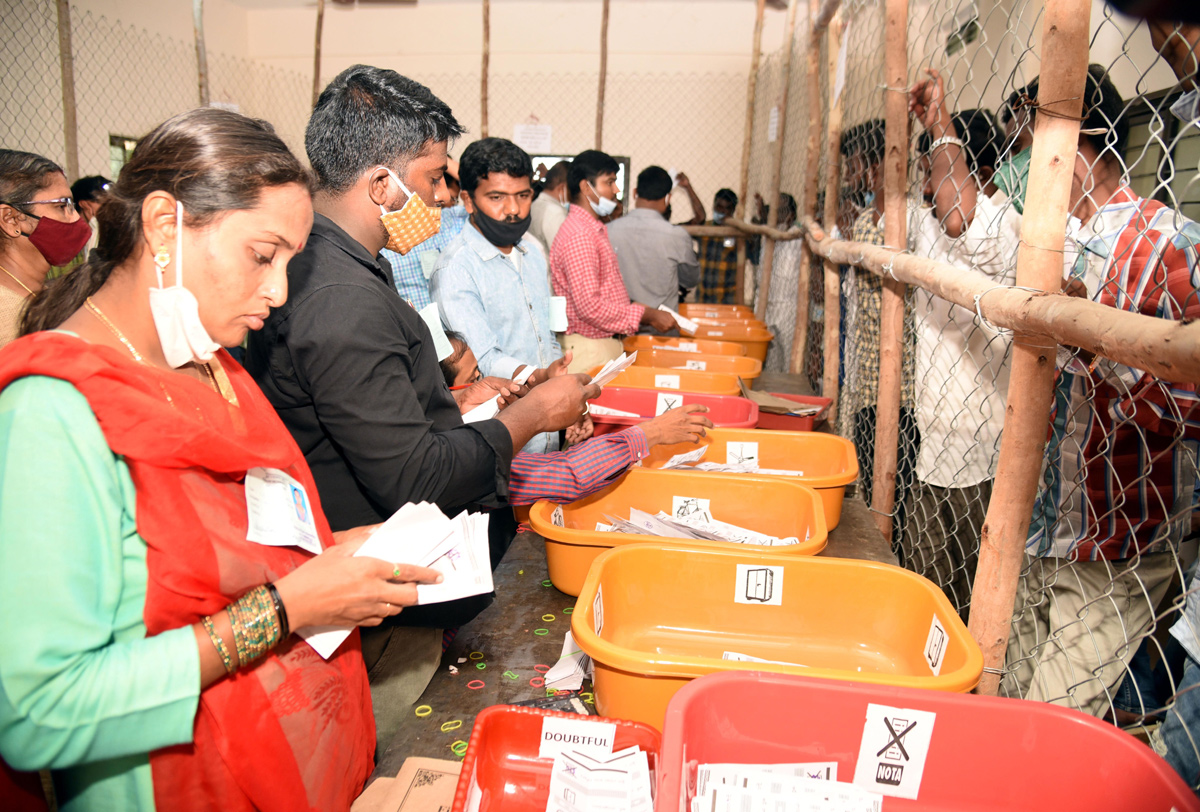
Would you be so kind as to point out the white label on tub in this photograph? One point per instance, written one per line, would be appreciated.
(688, 346)
(578, 734)
(557, 516)
(601, 527)
(700, 365)
(666, 381)
(740, 453)
(895, 742)
(598, 611)
(935, 646)
(665, 402)
(716, 332)
(684, 507)
(759, 584)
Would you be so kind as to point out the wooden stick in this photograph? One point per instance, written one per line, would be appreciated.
(603, 75)
(739, 228)
(833, 168)
(66, 64)
(483, 74)
(895, 228)
(808, 196)
(201, 54)
(317, 51)
(825, 16)
(751, 100)
(1031, 380)
(768, 248)
(740, 279)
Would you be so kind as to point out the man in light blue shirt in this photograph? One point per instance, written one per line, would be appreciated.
(411, 272)
(490, 282)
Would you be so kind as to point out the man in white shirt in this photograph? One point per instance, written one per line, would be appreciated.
(549, 211)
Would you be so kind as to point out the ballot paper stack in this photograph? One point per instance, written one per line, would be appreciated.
(691, 520)
(572, 666)
(739, 460)
(588, 775)
(778, 788)
(421, 534)
(613, 368)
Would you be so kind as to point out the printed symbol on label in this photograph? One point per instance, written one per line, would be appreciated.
(891, 774)
(666, 381)
(935, 646)
(557, 516)
(760, 584)
(741, 453)
(699, 365)
(894, 749)
(666, 402)
(690, 507)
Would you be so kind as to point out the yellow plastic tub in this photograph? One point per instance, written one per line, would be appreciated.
(754, 340)
(683, 345)
(745, 368)
(681, 380)
(829, 462)
(715, 311)
(731, 322)
(652, 618)
(770, 505)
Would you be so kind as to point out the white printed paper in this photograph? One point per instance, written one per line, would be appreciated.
(742, 774)
(556, 516)
(580, 782)
(581, 735)
(758, 584)
(573, 665)
(558, 314)
(666, 381)
(433, 319)
(684, 506)
(686, 458)
(685, 324)
(666, 401)
(613, 368)
(278, 511)
(699, 366)
(741, 453)
(935, 646)
(533, 138)
(605, 411)
(895, 743)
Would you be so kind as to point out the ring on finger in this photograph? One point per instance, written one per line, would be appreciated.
(396, 571)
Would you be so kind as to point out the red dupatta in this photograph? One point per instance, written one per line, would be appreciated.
(291, 731)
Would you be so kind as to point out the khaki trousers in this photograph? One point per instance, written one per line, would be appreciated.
(589, 352)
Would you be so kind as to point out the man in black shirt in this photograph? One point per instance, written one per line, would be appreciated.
(351, 368)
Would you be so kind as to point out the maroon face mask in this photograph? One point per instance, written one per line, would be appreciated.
(57, 241)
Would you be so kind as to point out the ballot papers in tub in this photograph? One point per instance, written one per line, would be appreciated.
(421, 534)
(588, 776)
(690, 519)
(740, 458)
(810, 787)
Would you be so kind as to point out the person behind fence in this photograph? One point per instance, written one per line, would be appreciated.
(785, 279)
(1118, 475)
(961, 366)
(39, 229)
(584, 268)
(549, 209)
(490, 283)
(412, 271)
(656, 258)
(718, 256)
(149, 660)
(88, 193)
(351, 368)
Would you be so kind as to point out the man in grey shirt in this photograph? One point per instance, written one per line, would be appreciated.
(655, 257)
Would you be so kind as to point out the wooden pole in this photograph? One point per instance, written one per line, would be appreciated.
(483, 81)
(201, 54)
(768, 248)
(825, 14)
(751, 97)
(317, 51)
(808, 194)
(737, 228)
(66, 64)
(833, 174)
(603, 75)
(1031, 381)
(740, 278)
(895, 228)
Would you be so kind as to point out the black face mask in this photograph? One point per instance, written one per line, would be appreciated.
(500, 233)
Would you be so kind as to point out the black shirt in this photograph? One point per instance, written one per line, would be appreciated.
(351, 369)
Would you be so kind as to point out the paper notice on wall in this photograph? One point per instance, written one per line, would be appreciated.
(533, 138)
(891, 757)
(773, 124)
(839, 78)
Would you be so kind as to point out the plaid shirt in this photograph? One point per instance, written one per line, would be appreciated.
(564, 476)
(718, 269)
(1119, 468)
(584, 268)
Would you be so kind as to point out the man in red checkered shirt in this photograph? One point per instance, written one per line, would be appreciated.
(584, 269)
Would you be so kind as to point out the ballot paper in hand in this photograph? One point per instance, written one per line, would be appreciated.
(613, 368)
(685, 324)
(606, 411)
(421, 534)
(491, 407)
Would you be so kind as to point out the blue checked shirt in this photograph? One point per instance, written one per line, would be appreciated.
(409, 271)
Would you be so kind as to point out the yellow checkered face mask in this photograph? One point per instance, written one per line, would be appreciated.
(411, 225)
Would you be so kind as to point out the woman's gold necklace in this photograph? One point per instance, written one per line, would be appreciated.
(14, 278)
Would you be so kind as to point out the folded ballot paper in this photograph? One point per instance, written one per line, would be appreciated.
(490, 408)
(685, 324)
(690, 519)
(740, 458)
(811, 787)
(572, 666)
(613, 368)
(421, 534)
(588, 776)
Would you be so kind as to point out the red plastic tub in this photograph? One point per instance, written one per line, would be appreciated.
(986, 753)
(502, 767)
(723, 410)
(788, 422)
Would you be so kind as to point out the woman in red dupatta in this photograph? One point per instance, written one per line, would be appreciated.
(284, 729)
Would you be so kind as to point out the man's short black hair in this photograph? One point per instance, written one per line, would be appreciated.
(557, 175)
(867, 139)
(728, 195)
(980, 136)
(653, 183)
(587, 166)
(368, 117)
(787, 203)
(1103, 109)
(89, 188)
(489, 155)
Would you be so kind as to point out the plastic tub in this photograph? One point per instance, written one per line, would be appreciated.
(767, 504)
(986, 753)
(791, 422)
(669, 613)
(715, 311)
(745, 368)
(502, 767)
(676, 380)
(828, 461)
(753, 339)
(731, 322)
(723, 410)
(684, 344)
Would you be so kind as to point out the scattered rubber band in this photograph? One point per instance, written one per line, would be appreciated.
(481, 666)
(476, 684)
(512, 675)
(546, 582)
(550, 692)
(423, 711)
(569, 610)
(459, 748)
(537, 682)
(547, 618)
(473, 653)
(541, 669)
(541, 632)
(588, 698)
(448, 726)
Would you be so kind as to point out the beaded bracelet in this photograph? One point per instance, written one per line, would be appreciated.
(255, 624)
(280, 612)
(218, 643)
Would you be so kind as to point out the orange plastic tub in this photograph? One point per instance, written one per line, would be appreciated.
(745, 368)
(753, 339)
(667, 615)
(723, 410)
(682, 345)
(501, 771)
(829, 462)
(715, 311)
(770, 505)
(731, 322)
(676, 380)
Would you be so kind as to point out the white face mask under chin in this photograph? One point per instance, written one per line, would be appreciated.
(177, 314)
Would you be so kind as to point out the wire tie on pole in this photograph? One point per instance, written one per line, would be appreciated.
(979, 311)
